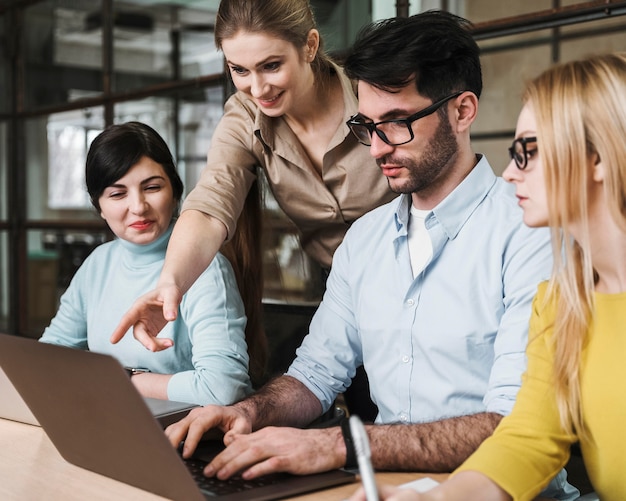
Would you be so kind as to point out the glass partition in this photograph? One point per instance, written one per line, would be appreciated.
(157, 112)
(3, 171)
(142, 43)
(4, 281)
(198, 114)
(55, 164)
(5, 68)
(62, 59)
(53, 255)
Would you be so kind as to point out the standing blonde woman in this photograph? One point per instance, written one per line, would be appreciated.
(288, 119)
(569, 167)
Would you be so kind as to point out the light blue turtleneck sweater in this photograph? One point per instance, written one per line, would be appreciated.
(209, 360)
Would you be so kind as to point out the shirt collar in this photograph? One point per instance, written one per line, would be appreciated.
(453, 211)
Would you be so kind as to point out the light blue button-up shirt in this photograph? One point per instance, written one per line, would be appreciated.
(450, 341)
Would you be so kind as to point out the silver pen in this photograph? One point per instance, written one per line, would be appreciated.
(363, 455)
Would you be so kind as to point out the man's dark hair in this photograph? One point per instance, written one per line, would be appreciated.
(435, 48)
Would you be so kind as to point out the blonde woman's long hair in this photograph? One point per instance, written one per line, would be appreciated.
(580, 109)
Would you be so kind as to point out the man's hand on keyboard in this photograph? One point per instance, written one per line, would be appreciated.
(200, 420)
(275, 449)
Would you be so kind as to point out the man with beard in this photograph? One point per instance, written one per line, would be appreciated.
(431, 292)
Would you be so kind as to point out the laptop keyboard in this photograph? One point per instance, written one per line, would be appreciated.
(216, 487)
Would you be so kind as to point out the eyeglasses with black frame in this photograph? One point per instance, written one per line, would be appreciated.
(519, 151)
(393, 132)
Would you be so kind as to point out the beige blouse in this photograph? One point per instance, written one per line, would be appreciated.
(322, 208)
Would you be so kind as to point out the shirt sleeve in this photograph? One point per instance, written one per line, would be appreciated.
(529, 447)
(527, 261)
(230, 169)
(215, 321)
(327, 359)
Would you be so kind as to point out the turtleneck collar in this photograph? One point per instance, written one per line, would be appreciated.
(143, 255)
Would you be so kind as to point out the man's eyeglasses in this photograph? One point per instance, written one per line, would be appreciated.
(393, 132)
(519, 152)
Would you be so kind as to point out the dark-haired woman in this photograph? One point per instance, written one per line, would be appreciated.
(133, 184)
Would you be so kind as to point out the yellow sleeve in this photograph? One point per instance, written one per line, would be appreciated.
(529, 447)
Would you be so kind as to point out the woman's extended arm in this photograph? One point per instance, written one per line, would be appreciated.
(196, 239)
(194, 243)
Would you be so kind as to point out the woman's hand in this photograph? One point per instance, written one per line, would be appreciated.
(148, 315)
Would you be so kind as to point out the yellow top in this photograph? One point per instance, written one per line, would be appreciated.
(529, 447)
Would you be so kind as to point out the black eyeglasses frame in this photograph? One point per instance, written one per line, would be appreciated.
(523, 141)
(372, 126)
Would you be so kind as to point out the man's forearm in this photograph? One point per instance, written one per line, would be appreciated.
(439, 446)
(284, 401)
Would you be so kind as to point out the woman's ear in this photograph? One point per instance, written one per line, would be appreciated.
(312, 44)
(598, 168)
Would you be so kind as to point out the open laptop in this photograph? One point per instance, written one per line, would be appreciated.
(13, 407)
(97, 420)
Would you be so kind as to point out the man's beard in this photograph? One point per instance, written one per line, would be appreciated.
(433, 161)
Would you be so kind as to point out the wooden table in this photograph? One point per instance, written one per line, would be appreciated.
(32, 469)
(345, 491)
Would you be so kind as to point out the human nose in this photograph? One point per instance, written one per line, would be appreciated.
(138, 203)
(378, 147)
(257, 86)
(512, 173)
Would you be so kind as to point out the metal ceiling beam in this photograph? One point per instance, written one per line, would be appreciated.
(551, 18)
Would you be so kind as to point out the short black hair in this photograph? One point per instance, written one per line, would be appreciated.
(116, 149)
(435, 48)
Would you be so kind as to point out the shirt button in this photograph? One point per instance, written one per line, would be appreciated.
(405, 359)
(410, 302)
(404, 418)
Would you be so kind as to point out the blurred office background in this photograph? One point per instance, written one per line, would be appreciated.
(70, 67)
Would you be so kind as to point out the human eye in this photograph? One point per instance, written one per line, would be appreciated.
(393, 128)
(152, 187)
(238, 70)
(397, 124)
(272, 66)
(531, 150)
(116, 194)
